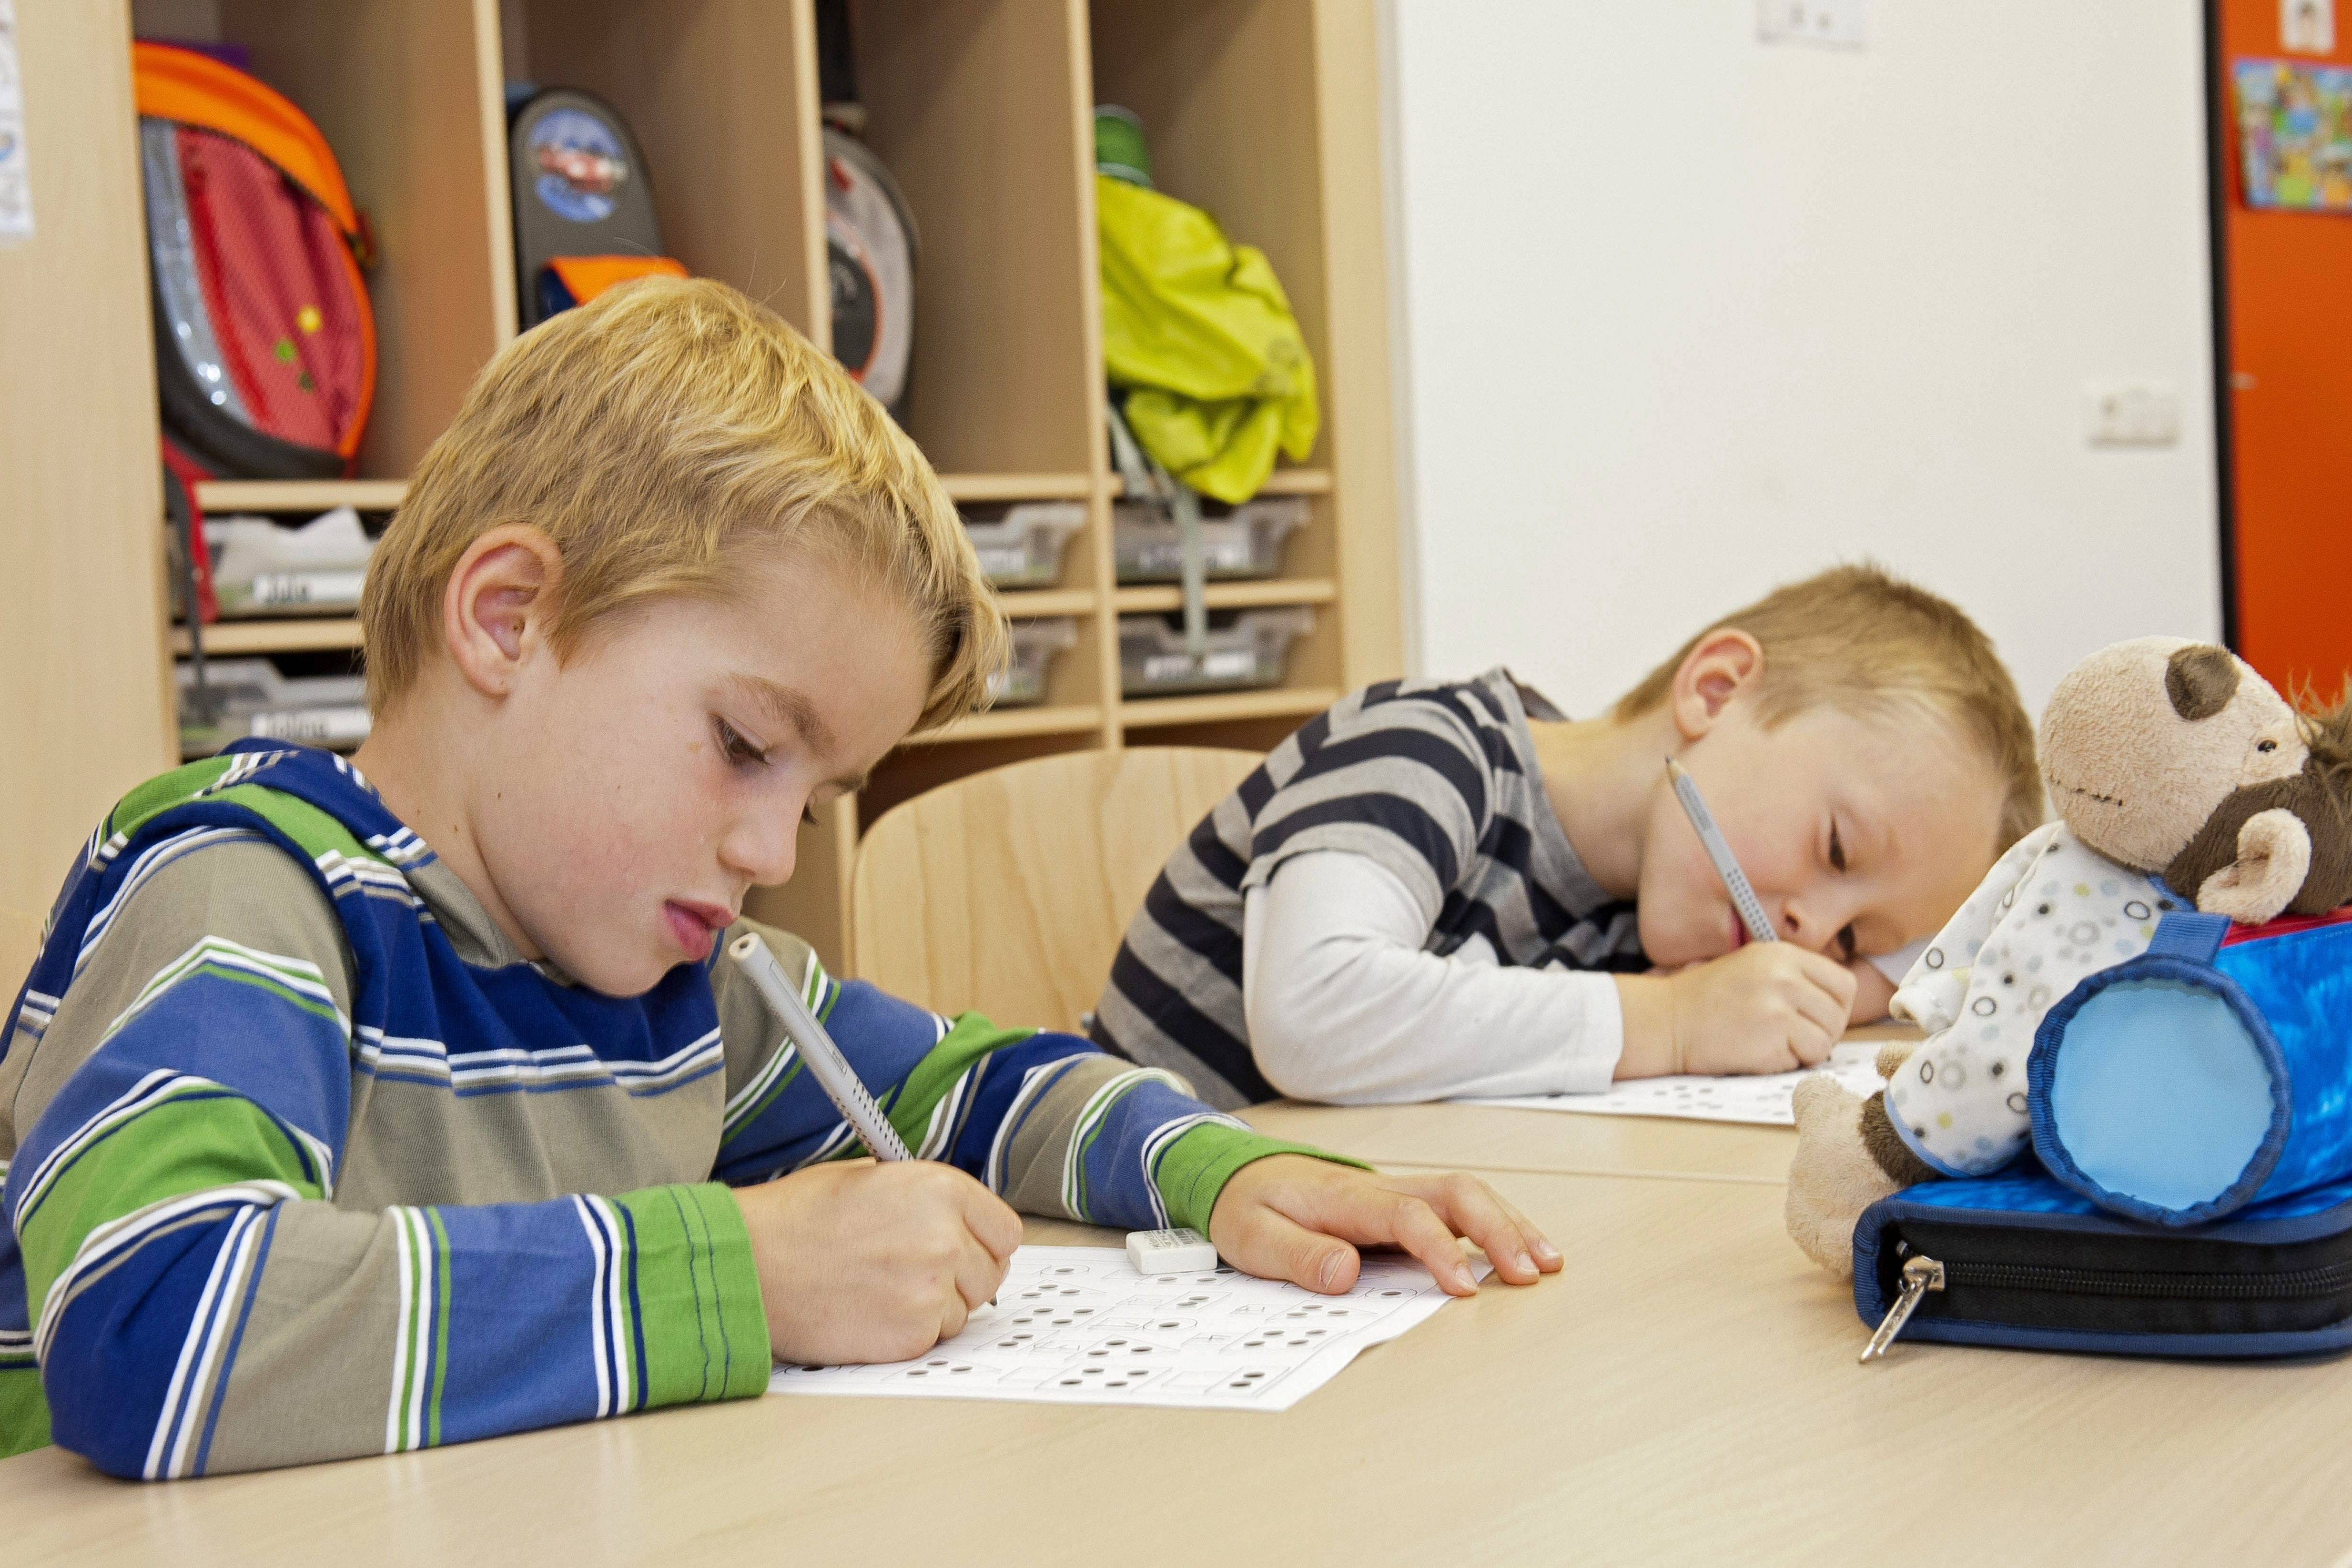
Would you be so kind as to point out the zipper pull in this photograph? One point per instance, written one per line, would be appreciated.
(1920, 1275)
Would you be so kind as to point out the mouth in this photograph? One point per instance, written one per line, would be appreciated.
(2081, 793)
(1738, 930)
(696, 925)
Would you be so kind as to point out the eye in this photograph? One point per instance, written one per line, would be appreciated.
(2267, 745)
(1846, 950)
(1837, 847)
(735, 749)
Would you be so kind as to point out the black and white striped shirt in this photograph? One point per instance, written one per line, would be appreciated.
(1434, 781)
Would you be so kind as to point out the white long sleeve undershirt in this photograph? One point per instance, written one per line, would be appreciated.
(1344, 1006)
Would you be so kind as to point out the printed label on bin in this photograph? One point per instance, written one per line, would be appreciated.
(278, 589)
(318, 725)
(1004, 560)
(1232, 664)
(1229, 555)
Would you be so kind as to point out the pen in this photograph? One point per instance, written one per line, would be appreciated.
(1734, 880)
(825, 1062)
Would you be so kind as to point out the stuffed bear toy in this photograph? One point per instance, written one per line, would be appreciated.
(2178, 776)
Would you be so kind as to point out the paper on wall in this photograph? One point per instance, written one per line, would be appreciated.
(1765, 1100)
(16, 181)
(1077, 1325)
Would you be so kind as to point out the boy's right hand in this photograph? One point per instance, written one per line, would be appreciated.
(1770, 1007)
(874, 1262)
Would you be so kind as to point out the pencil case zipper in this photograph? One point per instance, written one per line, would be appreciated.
(1923, 1276)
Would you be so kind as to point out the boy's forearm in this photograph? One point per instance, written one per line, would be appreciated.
(312, 1332)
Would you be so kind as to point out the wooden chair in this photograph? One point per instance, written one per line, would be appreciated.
(1007, 892)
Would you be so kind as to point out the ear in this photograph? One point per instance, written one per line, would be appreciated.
(495, 612)
(1723, 663)
(2273, 857)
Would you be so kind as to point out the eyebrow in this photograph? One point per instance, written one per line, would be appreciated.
(792, 709)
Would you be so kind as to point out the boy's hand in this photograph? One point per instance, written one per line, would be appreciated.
(1874, 993)
(1770, 1007)
(1292, 1216)
(862, 1263)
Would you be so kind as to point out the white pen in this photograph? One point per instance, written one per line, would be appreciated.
(825, 1062)
(1734, 880)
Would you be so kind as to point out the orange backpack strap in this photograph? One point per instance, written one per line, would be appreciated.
(587, 277)
(195, 89)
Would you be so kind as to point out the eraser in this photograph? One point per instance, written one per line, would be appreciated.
(1170, 1252)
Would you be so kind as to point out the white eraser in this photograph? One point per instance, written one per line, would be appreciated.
(1170, 1252)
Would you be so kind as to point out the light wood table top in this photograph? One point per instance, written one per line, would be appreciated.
(1686, 1392)
(1557, 1142)
(1490, 1139)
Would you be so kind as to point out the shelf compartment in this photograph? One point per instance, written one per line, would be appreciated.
(1146, 713)
(406, 92)
(225, 639)
(1281, 482)
(1231, 595)
(1029, 604)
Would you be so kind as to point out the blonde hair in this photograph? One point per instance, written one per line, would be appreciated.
(651, 435)
(1865, 641)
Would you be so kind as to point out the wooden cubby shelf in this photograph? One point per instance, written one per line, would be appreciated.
(1215, 707)
(1263, 112)
(233, 638)
(1231, 595)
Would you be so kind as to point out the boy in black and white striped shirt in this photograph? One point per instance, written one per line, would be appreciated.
(1442, 888)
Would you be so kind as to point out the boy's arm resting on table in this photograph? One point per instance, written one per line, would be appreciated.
(1345, 1006)
(1048, 1121)
(198, 1306)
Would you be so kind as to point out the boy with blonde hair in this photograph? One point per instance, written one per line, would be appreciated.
(1444, 888)
(361, 1107)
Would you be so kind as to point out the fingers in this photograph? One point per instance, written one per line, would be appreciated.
(991, 1221)
(1419, 1231)
(978, 1274)
(1274, 1246)
(1468, 1206)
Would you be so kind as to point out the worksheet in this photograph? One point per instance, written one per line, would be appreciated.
(1077, 1325)
(1765, 1100)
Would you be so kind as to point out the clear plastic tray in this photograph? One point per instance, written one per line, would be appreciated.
(250, 696)
(260, 568)
(1246, 648)
(1022, 683)
(1245, 542)
(1019, 546)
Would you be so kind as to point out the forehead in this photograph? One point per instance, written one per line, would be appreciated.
(1918, 806)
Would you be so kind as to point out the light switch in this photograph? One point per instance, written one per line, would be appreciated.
(2131, 414)
(1832, 24)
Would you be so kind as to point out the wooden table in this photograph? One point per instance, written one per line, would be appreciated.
(1686, 1392)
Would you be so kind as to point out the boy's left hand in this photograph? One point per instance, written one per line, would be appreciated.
(1292, 1216)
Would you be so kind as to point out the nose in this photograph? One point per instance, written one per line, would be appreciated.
(1814, 920)
(762, 846)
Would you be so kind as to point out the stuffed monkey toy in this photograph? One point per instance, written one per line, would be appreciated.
(2179, 775)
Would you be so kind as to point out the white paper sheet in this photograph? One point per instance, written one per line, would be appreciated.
(1077, 1325)
(1765, 1100)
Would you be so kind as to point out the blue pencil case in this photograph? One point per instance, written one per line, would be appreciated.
(2190, 1192)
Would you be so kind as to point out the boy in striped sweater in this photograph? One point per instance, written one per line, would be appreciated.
(353, 1107)
(1445, 888)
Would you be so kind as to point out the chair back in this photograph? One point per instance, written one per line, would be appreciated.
(1007, 892)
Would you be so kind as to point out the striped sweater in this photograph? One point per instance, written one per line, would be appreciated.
(304, 1160)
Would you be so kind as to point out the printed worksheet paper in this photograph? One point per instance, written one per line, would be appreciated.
(1077, 1325)
(1766, 1100)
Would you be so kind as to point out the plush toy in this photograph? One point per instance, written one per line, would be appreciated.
(2178, 773)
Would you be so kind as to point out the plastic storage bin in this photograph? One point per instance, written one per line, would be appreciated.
(249, 696)
(1245, 542)
(1019, 546)
(260, 568)
(1022, 683)
(1246, 648)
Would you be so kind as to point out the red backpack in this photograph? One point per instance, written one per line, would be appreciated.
(265, 346)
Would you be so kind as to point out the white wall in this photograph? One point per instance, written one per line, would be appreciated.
(1684, 315)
